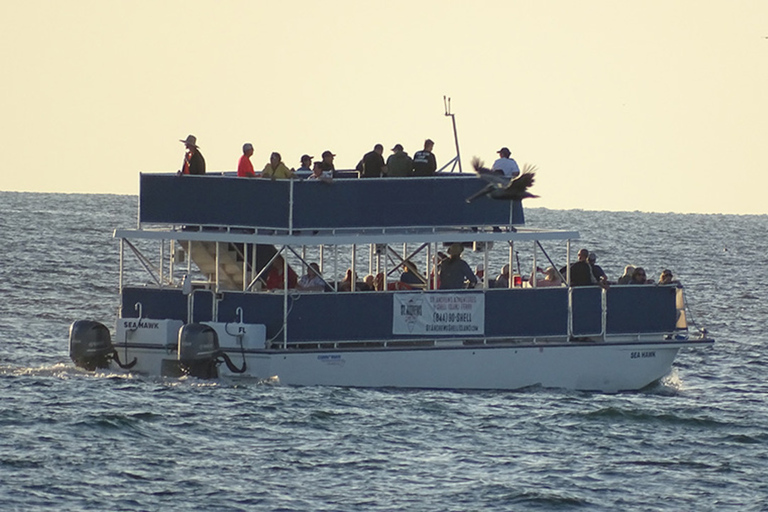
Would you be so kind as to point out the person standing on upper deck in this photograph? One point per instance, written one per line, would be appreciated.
(306, 162)
(244, 165)
(454, 271)
(373, 163)
(328, 167)
(399, 164)
(276, 169)
(194, 163)
(424, 162)
(506, 164)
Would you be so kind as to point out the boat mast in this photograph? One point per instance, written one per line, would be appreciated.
(457, 159)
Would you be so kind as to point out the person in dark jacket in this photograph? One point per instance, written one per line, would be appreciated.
(194, 163)
(424, 162)
(373, 163)
(454, 271)
(399, 164)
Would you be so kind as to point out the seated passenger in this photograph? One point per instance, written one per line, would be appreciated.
(666, 277)
(480, 272)
(368, 284)
(454, 272)
(275, 279)
(276, 169)
(502, 280)
(638, 277)
(626, 277)
(410, 275)
(311, 281)
(346, 283)
(378, 282)
(551, 278)
(319, 174)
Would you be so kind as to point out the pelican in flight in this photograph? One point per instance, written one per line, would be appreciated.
(502, 187)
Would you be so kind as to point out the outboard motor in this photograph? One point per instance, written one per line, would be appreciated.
(197, 351)
(90, 346)
(199, 354)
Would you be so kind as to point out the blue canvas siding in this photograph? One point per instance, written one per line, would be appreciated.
(346, 203)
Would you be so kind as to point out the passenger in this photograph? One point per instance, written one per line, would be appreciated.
(638, 277)
(194, 163)
(424, 162)
(666, 277)
(368, 284)
(373, 163)
(311, 281)
(306, 164)
(440, 256)
(505, 164)
(410, 275)
(244, 165)
(626, 277)
(399, 164)
(480, 273)
(275, 279)
(328, 169)
(581, 271)
(346, 283)
(378, 282)
(319, 174)
(276, 169)
(551, 278)
(502, 280)
(597, 270)
(454, 272)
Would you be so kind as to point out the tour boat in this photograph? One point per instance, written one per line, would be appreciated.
(200, 306)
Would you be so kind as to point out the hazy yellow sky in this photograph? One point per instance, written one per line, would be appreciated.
(657, 105)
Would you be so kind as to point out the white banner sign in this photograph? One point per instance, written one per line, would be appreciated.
(435, 314)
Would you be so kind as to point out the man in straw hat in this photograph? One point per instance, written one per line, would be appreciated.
(194, 163)
(454, 271)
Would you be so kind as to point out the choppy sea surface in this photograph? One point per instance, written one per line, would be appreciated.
(72, 440)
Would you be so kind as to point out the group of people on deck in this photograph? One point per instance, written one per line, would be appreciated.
(398, 165)
(454, 273)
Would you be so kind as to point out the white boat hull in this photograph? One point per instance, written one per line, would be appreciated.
(603, 367)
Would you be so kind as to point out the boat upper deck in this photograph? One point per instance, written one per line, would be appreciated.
(220, 206)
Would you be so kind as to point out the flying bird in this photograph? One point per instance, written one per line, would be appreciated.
(501, 187)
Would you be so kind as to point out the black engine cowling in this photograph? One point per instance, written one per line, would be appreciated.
(90, 344)
(198, 350)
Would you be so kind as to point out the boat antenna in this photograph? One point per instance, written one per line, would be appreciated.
(457, 159)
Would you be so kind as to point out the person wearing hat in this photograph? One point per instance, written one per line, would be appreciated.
(306, 164)
(597, 270)
(373, 163)
(424, 162)
(506, 164)
(244, 165)
(328, 168)
(194, 163)
(399, 164)
(454, 271)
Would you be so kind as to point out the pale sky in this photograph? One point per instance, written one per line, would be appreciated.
(657, 105)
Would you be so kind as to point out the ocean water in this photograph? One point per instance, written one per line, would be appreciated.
(72, 440)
